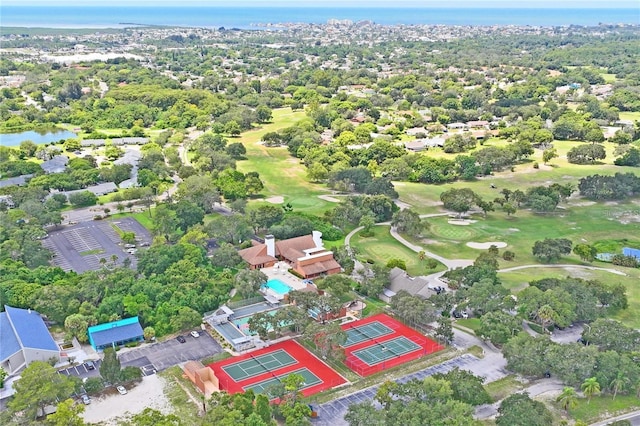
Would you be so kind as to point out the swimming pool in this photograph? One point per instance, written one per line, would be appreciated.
(277, 286)
(243, 323)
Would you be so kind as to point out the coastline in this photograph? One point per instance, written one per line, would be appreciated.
(97, 17)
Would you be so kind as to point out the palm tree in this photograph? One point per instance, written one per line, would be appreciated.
(421, 255)
(568, 398)
(590, 387)
(618, 384)
(546, 314)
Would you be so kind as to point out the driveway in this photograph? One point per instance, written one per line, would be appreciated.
(161, 356)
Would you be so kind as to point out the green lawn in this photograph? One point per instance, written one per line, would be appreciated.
(604, 406)
(579, 222)
(609, 78)
(282, 174)
(425, 198)
(504, 387)
(142, 217)
(382, 247)
(629, 115)
(470, 323)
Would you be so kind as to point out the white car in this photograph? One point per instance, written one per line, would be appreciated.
(121, 390)
(195, 333)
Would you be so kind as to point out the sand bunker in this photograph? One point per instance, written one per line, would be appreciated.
(278, 199)
(484, 246)
(461, 222)
(329, 198)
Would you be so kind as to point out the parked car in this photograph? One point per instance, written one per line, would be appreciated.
(132, 251)
(121, 390)
(181, 339)
(195, 333)
(90, 365)
(85, 399)
(129, 246)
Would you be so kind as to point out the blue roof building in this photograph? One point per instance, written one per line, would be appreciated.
(115, 333)
(24, 338)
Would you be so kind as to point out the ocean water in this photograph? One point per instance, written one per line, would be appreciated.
(249, 17)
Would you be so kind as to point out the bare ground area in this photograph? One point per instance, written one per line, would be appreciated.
(111, 407)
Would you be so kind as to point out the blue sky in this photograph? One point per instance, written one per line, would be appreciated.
(339, 3)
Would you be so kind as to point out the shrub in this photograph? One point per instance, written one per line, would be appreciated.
(627, 261)
(508, 255)
(93, 385)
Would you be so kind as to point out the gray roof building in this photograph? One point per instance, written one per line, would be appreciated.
(57, 164)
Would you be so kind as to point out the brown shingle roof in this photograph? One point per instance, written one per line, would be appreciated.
(256, 255)
(320, 267)
(293, 247)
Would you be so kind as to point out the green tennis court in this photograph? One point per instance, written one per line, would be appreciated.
(259, 365)
(365, 332)
(383, 351)
(310, 379)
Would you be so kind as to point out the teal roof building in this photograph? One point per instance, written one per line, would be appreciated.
(115, 333)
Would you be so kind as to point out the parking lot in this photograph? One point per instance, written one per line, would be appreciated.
(161, 356)
(82, 371)
(156, 357)
(332, 413)
(81, 247)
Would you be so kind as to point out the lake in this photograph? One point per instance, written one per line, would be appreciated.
(14, 139)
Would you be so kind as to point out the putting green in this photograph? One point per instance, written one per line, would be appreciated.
(453, 232)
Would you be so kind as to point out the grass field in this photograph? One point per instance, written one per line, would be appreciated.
(604, 405)
(282, 174)
(382, 247)
(629, 115)
(577, 222)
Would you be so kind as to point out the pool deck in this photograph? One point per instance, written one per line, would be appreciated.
(280, 271)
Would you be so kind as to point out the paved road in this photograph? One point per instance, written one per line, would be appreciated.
(593, 268)
(633, 418)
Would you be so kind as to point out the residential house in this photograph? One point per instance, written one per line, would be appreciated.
(57, 164)
(18, 181)
(400, 280)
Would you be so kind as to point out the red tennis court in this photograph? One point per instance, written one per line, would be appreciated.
(380, 342)
(260, 369)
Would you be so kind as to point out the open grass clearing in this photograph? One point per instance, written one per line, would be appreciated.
(604, 407)
(504, 387)
(182, 395)
(630, 115)
(470, 323)
(426, 198)
(142, 217)
(579, 223)
(282, 174)
(608, 78)
(382, 247)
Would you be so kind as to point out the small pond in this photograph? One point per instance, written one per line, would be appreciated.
(39, 137)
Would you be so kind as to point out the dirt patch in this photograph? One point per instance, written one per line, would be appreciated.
(113, 406)
(484, 246)
(278, 199)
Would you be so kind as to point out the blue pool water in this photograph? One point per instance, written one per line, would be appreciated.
(277, 286)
